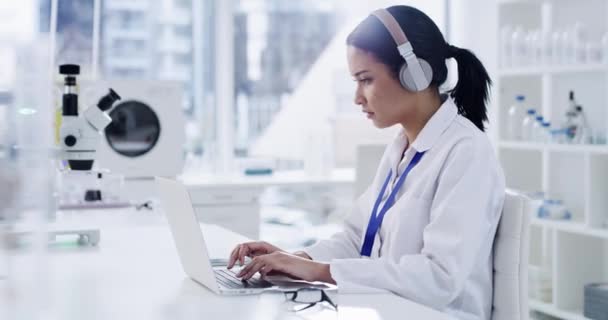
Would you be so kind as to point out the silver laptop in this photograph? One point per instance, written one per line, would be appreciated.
(192, 250)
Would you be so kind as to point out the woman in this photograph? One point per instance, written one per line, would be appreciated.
(426, 232)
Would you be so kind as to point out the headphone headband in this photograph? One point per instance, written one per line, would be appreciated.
(391, 24)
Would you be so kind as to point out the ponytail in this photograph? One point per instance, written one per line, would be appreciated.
(471, 92)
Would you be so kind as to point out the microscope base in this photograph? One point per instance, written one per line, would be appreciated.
(85, 237)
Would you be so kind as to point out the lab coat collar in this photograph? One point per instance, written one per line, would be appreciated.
(435, 127)
(427, 137)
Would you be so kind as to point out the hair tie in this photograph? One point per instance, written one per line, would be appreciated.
(452, 51)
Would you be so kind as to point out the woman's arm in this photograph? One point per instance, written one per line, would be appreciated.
(302, 254)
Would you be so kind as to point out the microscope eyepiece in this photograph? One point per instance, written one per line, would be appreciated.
(69, 69)
(70, 98)
(114, 95)
(108, 100)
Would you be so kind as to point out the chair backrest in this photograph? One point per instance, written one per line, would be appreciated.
(367, 161)
(511, 250)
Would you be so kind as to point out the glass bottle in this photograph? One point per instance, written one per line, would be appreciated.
(518, 46)
(547, 48)
(579, 41)
(506, 46)
(557, 49)
(515, 118)
(537, 129)
(526, 127)
(546, 132)
(604, 48)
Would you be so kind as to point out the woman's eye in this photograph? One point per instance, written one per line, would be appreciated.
(365, 81)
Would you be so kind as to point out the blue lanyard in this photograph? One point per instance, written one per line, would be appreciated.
(375, 220)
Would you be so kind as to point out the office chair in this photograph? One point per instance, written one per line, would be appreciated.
(367, 161)
(511, 247)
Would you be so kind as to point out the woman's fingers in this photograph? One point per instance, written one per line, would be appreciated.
(245, 268)
(265, 270)
(244, 273)
(243, 252)
(291, 266)
(233, 256)
(255, 266)
(249, 249)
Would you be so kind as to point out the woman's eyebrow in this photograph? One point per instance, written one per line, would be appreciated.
(359, 73)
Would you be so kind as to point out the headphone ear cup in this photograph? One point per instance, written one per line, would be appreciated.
(407, 80)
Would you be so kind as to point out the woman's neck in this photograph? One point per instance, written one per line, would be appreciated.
(423, 113)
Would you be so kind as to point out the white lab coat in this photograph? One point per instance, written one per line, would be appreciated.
(435, 243)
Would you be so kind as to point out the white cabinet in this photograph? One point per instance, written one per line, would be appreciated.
(243, 219)
(233, 207)
(574, 252)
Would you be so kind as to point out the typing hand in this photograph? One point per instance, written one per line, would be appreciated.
(250, 249)
(289, 264)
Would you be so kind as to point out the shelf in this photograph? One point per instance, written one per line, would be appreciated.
(552, 70)
(575, 251)
(550, 309)
(571, 227)
(566, 148)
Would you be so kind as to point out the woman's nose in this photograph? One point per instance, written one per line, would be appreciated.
(359, 99)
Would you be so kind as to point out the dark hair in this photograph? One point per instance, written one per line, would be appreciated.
(472, 89)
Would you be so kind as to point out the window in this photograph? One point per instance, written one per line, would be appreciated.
(276, 43)
(74, 42)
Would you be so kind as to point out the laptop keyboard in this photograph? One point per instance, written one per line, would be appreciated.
(228, 279)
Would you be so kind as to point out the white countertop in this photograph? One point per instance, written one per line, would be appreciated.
(135, 274)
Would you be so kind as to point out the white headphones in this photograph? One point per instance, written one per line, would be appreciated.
(415, 74)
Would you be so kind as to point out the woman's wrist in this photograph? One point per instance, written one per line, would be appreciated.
(302, 254)
(324, 273)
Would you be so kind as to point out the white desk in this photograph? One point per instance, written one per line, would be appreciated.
(135, 274)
